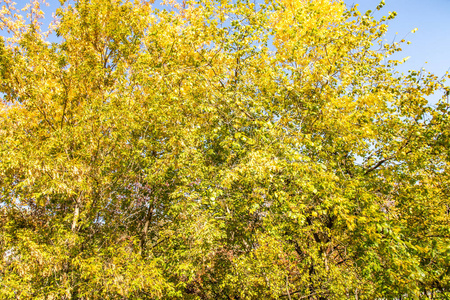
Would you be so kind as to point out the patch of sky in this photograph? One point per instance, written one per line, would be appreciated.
(429, 45)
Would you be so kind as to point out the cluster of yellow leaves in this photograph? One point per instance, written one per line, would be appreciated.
(217, 150)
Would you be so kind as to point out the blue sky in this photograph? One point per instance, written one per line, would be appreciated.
(431, 43)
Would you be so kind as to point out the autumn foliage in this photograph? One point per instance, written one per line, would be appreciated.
(217, 149)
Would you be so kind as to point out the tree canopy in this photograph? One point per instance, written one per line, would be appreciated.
(218, 149)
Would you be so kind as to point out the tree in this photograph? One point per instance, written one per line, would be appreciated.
(218, 150)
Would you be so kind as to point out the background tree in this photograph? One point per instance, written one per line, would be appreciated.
(218, 150)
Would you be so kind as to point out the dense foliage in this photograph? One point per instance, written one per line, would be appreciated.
(218, 149)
